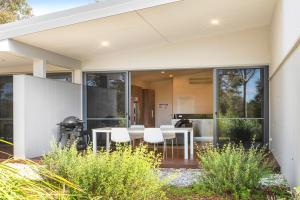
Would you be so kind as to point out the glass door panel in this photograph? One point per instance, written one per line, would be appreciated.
(240, 105)
(106, 100)
(6, 114)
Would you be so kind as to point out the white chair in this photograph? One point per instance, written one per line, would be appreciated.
(137, 126)
(154, 136)
(170, 136)
(136, 136)
(120, 135)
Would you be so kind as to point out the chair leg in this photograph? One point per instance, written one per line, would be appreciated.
(177, 147)
(164, 149)
(172, 150)
(147, 146)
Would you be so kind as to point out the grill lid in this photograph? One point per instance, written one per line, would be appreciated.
(71, 120)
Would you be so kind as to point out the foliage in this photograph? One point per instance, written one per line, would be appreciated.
(12, 10)
(45, 185)
(297, 193)
(241, 130)
(192, 193)
(122, 174)
(236, 90)
(233, 170)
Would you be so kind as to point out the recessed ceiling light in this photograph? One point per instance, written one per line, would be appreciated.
(215, 22)
(162, 72)
(105, 43)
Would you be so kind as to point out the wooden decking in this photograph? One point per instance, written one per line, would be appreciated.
(176, 162)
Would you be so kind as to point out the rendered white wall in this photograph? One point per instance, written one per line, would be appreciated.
(284, 84)
(285, 118)
(249, 47)
(39, 104)
(285, 30)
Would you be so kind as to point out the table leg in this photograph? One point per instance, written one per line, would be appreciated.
(186, 146)
(192, 144)
(94, 142)
(107, 142)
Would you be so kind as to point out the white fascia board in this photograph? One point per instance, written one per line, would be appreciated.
(76, 15)
(28, 51)
(4, 46)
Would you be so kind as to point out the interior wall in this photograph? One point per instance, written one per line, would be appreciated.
(192, 98)
(141, 83)
(163, 101)
(248, 47)
(39, 104)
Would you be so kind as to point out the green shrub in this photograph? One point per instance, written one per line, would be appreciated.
(240, 130)
(44, 185)
(122, 174)
(33, 182)
(297, 193)
(232, 169)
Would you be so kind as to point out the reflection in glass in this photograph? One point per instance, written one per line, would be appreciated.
(106, 101)
(240, 130)
(6, 113)
(241, 101)
(106, 95)
(104, 123)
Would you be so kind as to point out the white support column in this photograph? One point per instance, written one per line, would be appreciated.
(39, 68)
(77, 76)
(77, 79)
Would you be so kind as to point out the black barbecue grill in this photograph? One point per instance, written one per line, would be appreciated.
(71, 132)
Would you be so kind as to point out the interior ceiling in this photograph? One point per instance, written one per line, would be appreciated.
(10, 60)
(157, 75)
(183, 20)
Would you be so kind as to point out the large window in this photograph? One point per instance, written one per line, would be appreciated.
(106, 100)
(241, 105)
(6, 113)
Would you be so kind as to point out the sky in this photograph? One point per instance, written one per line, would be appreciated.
(41, 7)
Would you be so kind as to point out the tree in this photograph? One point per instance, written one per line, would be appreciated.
(12, 10)
(233, 91)
(246, 75)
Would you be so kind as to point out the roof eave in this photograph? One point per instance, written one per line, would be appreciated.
(75, 15)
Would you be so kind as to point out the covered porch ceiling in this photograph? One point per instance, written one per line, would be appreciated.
(168, 23)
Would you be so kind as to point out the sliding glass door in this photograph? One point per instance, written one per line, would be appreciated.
(241, 106)
(6, 114)
(106, 100)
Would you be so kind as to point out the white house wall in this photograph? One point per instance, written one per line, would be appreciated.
(39, 104)
(284, 124)
(285, 30)
(284, 92)
(249, 47)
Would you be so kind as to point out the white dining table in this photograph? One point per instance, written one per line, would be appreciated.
(133, 131)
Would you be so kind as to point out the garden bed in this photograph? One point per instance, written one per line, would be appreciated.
(228, 173)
